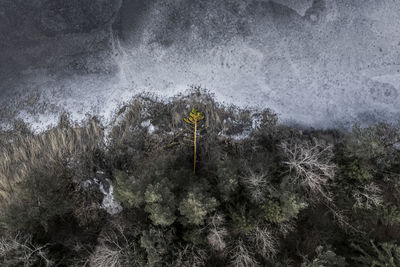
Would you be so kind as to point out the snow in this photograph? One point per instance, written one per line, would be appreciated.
(150, 127)
(109, 204)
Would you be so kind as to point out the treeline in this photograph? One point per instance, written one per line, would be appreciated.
(264, 194)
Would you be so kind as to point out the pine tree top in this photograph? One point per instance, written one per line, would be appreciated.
(194, 116)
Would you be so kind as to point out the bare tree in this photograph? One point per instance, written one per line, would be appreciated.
(22, 251)
(368, 197)
(265, 242)
(216, 237)
(311, 164)
(115, 249)
(190, 256)
(241, 256)
(255, 184)
(105, 256)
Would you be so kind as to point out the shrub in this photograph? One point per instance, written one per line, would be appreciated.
(156, 244)
(228, 178)
(196, 205)
(284, 210)
(352, 169)
(383, 254)
(272, 212)
(387, 215)
(126, 192)
(40, 200)
(325, 257)
(244, 219)
(160, 203)
(374, 144)
(291, 205)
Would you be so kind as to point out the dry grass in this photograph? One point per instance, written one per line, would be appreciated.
(63, 145)
(167, 116)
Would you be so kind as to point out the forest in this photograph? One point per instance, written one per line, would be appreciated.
(262, 193)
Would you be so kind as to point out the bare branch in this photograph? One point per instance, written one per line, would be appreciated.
(310, 162)
(217, 232)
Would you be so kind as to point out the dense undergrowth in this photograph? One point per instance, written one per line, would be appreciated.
(264, 194)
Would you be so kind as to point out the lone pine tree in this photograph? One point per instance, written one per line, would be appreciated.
(194, 121)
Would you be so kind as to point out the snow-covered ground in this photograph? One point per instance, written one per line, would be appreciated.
(322, 63)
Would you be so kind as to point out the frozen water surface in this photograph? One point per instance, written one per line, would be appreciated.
(318, 63)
